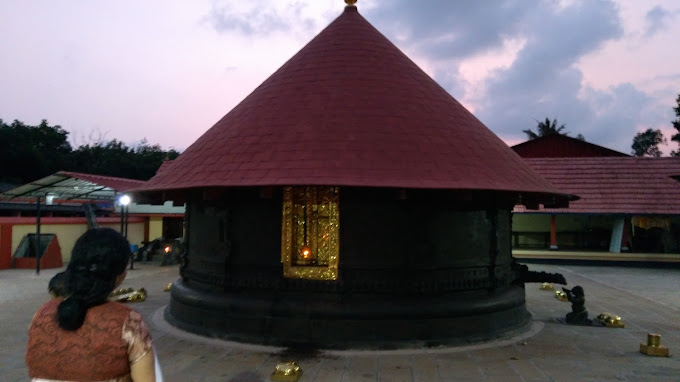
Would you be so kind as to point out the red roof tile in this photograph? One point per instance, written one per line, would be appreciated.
(350, 109)
(164, 166)
(614, 185)
(558, 146)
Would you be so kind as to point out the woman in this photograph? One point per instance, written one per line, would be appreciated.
(84, 337)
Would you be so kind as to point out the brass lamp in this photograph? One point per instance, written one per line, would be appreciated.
(610, 320)
(287, 372)
(561, 295)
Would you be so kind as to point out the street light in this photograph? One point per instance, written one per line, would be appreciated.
(124, 201)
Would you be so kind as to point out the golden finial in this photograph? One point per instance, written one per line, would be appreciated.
(350, 2)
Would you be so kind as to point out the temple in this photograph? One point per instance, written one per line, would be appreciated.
(350, 202)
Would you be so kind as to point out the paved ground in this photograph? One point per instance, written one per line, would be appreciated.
(648, 300)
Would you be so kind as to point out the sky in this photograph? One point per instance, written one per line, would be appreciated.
(167, 70)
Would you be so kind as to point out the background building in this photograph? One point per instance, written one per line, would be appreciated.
(628, 204)
(70, 203)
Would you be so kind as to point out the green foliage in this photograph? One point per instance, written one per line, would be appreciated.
(114, 158)
(33, 152)
(646, 144)
(546, 128)
(676, 125)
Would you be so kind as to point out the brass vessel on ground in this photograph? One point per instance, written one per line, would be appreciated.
(610, 320)
(287, 372)
(653, 346)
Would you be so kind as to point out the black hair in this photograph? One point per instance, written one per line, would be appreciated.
(57, 286)
(99, 256)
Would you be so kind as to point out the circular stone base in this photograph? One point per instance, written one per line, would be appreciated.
(349, 321)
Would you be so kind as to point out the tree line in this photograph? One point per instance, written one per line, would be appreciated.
(645, 144)
(30, 152)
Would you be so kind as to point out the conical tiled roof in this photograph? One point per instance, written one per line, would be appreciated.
(350, 109)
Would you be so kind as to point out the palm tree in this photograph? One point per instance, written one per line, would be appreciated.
(546, 128)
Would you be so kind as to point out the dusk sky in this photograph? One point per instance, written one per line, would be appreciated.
(168, 70)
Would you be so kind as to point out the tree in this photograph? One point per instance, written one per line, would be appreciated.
(676, 125)
(32, 152)
(545, 128)
(646, 144)
(115, 158)
(28, 153)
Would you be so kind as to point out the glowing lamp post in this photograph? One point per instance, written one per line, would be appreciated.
(124, 201)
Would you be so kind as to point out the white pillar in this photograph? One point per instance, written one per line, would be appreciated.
(617, 235)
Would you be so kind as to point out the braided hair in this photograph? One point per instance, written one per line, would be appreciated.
(99, 256)
(57, 286)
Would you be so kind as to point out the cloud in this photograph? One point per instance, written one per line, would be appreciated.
(543, 79)
(656, 20)
(616, 115)
(257, 17)
(443, 29)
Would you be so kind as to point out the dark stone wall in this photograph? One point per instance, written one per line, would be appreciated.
(238, 233)
(430, 267)
(427, 240)
(338, 321)
(430, 242)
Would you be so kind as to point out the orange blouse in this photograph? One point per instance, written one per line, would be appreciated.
(112, 338)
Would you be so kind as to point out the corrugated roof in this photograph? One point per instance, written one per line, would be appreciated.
(74, 185)
(614, 185)
(350, 109)
(115, 183)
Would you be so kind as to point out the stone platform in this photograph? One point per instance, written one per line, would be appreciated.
(648, 300)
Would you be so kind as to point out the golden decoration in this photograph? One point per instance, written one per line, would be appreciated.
(167, 288)
(654, 347)
(310, 232)
(561, 296)
(120, 291)
(547, 286)
(128, 295)
(287, 371)
(610, 320)
(350, 2)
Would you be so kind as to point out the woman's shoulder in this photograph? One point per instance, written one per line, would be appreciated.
(112, 309)
(49, 306)
(114, 305)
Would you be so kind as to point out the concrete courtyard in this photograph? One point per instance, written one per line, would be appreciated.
(648, 300)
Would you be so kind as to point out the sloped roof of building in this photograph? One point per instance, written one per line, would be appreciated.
(614, 185)
(74, 185)
(164, 166)
(559, 146)
(350, 109)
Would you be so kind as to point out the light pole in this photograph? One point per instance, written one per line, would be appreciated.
(124, 201)
(38, 253)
